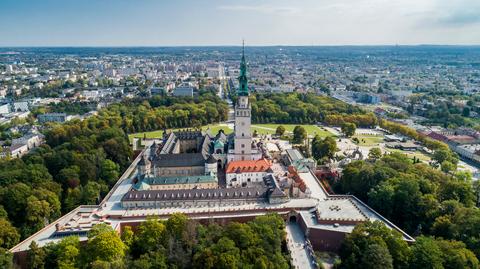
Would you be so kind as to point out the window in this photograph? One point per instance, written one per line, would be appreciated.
(243, 145)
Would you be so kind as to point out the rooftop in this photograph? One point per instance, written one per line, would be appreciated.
(196, 194)
(294, 154)
(339, 208)
(179, 160)
(177, 180)
(261, 165)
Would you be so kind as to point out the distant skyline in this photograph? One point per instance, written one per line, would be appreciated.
(260, 22)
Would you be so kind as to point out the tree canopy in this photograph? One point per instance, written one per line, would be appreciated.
(175, 243)
(420, 199)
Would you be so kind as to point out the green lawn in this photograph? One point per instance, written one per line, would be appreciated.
(152, 134)
(369, 141)
(260, 128)
(214, 128)
(420, 155)
(270, 129)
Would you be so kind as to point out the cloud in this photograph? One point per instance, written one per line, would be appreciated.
(463, 17)
(456, 13)
(269, 9)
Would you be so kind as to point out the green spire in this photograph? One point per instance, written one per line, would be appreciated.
(243, 89)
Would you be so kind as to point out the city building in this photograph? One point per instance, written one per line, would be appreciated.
(183, 90)
(243, 173)
(295, 158)
(52, 117)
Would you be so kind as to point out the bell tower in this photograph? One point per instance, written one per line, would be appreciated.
(243, 136)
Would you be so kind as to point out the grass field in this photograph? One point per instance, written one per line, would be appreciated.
(214, 128)
(260, 128)
(270, 129)
(420, 155)
(369, 141)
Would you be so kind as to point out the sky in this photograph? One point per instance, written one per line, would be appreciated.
(217, 22)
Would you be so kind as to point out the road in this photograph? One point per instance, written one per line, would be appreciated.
(297, 245)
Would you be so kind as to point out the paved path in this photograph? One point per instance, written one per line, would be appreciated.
(317, 191)
(296, 243)
(332, 130)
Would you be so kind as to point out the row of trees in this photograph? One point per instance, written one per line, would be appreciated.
(68, 107)
(175, 243)
(373, 245)
(163, 112)
(420, 199)
(307, 109)
(394, 127)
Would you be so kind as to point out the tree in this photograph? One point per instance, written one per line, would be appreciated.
(426, 254)
(91, 193)
(35, 257)
(372, 242)
(6, 259)
(226, 254)
(176, 225)
(466, 112)
(299, 135)
(153, 260)
(150, 236)
(67, 252)
(442, 155)
(323, 148)
(52, 200)
(447, 167)
(37, 213)
(456, 255)
(104, 244)
(15, 201)
(69, 176)
(348, 129)
(73, 198)
(375, 154)
(376, 256)
(127, 236)
(9, 235)
(109, 171)
(280, 130)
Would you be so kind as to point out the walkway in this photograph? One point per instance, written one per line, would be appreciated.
(299, 250)
(317, 191)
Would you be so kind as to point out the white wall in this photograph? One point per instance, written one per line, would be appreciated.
(244, 178)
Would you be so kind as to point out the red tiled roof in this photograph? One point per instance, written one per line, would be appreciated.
(261, 165)
(462, 138)
(437, 136)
